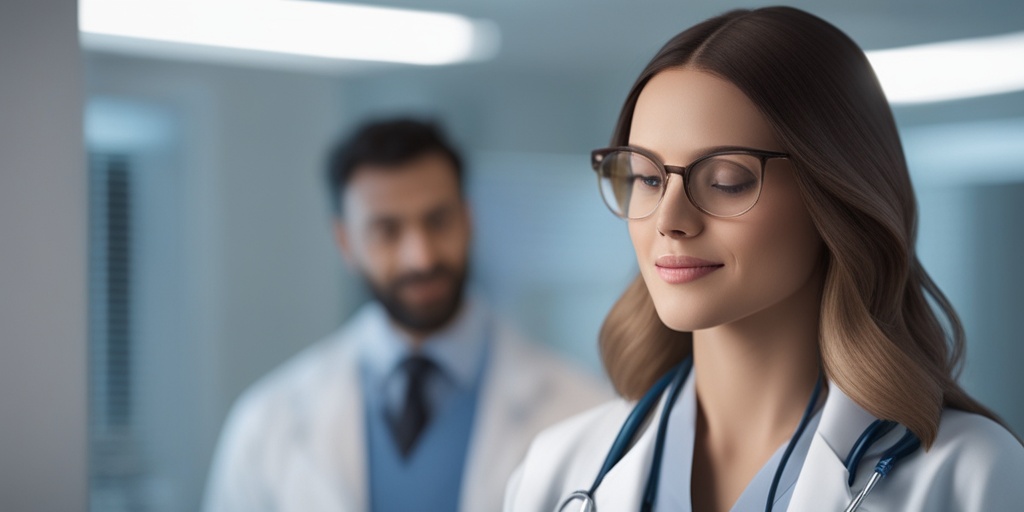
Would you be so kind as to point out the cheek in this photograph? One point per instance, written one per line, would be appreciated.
(643, 234)
(640, 233)
(453, 245)
(376, 259)
(782, 252)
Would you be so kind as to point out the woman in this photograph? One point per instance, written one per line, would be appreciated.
(780, 309)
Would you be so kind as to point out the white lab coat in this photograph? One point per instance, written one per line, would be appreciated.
(974, 465)
(295, 442)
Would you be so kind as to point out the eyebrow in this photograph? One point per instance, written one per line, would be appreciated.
(388, 218)
(440, 209)
(383, 220)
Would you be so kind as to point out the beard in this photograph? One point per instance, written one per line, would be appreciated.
(421, 318)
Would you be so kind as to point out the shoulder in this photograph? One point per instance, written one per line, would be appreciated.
(960, 430)
(541, 385)
(985, 453)
(977, 442)
(254, 443)
(299, 378)
(976, 461)
(288, 389)
(565, 457)
(513, 350)
(577, 437)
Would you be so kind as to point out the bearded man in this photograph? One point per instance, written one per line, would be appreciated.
(423, 400)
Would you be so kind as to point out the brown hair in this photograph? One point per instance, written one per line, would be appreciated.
(880, 340)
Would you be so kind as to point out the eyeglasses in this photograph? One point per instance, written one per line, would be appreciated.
(725, 183)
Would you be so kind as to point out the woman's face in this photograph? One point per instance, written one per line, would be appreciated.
(705, 271)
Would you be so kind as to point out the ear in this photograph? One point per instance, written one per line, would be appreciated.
(342, 241)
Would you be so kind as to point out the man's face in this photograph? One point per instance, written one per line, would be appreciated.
(406, 229)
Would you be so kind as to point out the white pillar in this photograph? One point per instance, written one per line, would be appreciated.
(42, 259)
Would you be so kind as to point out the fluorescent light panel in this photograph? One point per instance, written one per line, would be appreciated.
(291, 27)
(951, 70)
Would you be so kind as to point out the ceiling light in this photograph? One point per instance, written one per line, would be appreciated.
(282, 28)
(952, 69)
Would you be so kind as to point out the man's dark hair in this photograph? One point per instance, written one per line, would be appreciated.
(385, 143)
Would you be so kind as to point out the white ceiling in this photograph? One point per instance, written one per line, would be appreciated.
(591, 33)
(574, 59)
(615, 38)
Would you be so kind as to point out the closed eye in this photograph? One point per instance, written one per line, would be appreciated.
(737, 189)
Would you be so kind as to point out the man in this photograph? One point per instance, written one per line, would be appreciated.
(422, 401)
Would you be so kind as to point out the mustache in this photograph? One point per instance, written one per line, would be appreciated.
(411, 278)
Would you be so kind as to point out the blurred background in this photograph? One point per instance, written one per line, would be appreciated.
(210, 258)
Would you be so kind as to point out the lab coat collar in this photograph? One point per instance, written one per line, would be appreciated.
(842, 421)
(823, 481)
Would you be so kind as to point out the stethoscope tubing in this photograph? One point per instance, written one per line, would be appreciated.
(627, 432)
(633, 422)
(793, 440)
(673, 381)
(651, 492)
(907, 444)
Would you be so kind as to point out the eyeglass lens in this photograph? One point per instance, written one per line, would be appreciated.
(632, 185)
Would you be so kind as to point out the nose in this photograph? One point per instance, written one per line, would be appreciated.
(676, 216)
(418, 251)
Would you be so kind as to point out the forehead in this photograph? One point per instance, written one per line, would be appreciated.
(682, 111)
(407, 190)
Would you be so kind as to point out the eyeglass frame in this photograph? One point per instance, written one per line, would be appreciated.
(597, 157)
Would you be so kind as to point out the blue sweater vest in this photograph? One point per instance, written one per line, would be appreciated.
(431, 478)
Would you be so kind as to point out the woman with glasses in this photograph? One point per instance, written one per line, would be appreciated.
(779, 349)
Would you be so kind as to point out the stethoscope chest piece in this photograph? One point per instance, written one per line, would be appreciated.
(579, 501)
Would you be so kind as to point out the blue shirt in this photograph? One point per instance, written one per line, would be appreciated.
(677, 462)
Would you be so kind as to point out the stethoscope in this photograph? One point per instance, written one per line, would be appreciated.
(583, 500)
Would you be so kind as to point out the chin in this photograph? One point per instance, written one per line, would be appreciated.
(676, 317)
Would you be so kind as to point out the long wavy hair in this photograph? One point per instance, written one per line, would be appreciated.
(881, 342)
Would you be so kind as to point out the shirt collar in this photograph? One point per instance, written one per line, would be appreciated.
(677, 464)
(457, 349)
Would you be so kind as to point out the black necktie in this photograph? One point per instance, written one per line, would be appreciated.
(415, 413)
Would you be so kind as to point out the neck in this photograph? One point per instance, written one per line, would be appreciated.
(754, 377)
(416, 338)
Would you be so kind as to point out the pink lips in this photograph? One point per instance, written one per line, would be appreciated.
(683, 269)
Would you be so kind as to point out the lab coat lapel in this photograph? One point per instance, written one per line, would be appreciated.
(822, 481)
(336, 445)
(822, 484)
(623, 487)
(304, 488)
(510, 386)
